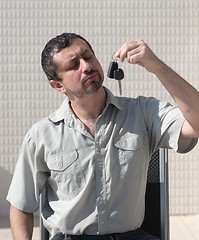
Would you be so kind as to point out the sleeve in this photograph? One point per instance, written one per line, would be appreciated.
(28, 179)
(165, 123)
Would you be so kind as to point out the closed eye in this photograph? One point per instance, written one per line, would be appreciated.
(74, 64)
(87, 57)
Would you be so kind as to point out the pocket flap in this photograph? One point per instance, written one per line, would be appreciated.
(130, 141)
(61, 160)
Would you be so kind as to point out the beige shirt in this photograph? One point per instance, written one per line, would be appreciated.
(96, 185)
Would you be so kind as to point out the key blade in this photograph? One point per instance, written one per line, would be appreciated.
(120, 87)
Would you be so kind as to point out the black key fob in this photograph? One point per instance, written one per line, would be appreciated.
(112, 67)
(114, 71)
(118, 74)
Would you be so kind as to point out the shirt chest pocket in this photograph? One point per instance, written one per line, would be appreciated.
(66, 171)
(131, 150)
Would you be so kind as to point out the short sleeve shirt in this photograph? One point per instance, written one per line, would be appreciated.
(96, 184)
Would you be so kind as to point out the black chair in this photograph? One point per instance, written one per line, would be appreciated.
(44, 234)
(156, 219)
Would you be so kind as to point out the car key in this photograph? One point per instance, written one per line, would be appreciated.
(116, 73)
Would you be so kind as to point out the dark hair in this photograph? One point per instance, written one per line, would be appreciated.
(54, 46)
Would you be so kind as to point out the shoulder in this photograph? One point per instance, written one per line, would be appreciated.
(140, 101)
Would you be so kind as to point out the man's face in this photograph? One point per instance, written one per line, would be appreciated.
(80, 71)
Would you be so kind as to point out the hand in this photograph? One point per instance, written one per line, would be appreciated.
(138, 52)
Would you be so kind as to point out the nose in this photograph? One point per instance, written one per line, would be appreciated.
(86, 66)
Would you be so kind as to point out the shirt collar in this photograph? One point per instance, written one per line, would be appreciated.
(112, 100)
(61, 113)
(65, 111)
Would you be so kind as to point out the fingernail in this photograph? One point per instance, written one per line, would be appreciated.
(116, 53)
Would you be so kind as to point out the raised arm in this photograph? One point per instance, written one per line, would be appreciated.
(21, 224)
(184, 94)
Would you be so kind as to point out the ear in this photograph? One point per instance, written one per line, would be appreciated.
(58, 86)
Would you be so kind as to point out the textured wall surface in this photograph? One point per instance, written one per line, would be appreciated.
(171, 28)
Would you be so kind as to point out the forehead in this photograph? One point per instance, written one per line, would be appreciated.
(76, 48)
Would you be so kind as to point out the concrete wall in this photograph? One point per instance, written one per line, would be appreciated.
(171, 28)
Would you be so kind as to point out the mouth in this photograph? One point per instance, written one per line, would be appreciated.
(92, 77)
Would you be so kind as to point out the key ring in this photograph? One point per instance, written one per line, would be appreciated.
(114, 58)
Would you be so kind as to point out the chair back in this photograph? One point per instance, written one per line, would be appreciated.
(156, 219)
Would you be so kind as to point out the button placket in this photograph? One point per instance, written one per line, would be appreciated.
(100, 180)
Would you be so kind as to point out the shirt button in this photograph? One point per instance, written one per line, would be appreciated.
(60, 164)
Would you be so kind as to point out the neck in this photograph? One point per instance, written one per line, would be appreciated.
(91, 106)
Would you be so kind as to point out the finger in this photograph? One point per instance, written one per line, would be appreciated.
(132, 55)
(126, 48)
(133, 59)
(118, 52)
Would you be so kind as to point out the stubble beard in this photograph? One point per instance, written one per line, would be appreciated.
(91, 88)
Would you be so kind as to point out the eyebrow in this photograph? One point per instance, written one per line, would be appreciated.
(74, 58)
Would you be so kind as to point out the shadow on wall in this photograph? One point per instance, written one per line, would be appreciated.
(5, 179)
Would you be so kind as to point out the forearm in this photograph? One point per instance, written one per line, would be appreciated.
(21, 224)
(184, 94)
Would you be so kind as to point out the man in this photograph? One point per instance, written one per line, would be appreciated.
(94, 151)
